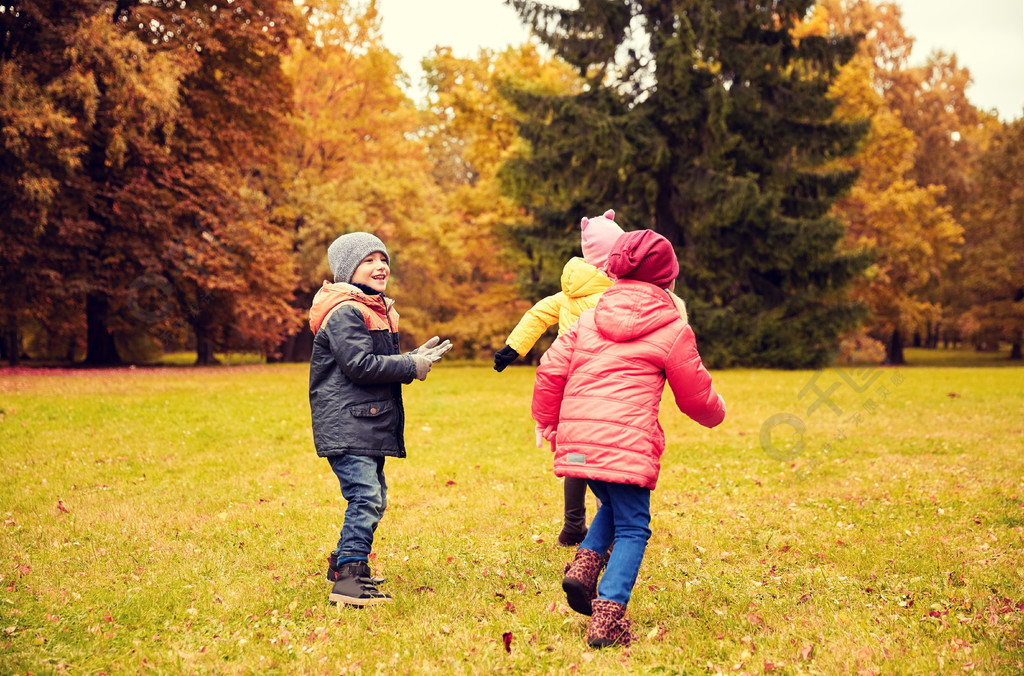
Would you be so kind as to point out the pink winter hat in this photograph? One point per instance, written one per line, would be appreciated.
(645, 256)
(598, 235)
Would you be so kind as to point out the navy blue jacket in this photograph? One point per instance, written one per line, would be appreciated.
(356, 374)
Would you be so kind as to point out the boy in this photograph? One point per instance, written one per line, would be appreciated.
(597, 396)
(356, 375)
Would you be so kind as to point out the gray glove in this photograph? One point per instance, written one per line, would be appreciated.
(427, 345)
(423, 365)
(427, 354)
(433, 350)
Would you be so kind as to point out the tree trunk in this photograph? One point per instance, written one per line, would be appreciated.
(204, 348)
(100, 349)
(894, 350)
(1015, 350)
(297, 347)
(10, 346)
(204, 354)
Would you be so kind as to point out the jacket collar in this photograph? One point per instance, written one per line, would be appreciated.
(331, 295)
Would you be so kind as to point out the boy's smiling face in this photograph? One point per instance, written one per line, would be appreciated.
(373, 271)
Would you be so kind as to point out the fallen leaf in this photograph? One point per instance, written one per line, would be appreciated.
(506, 638)
(806, 652)
(656, 632)
(61, 507)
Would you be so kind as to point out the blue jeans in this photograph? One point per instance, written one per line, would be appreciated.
(625, 519)
(363, 486)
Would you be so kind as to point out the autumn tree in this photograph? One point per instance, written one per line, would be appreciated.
(170, 112)
(470, 130)
(932, 102)
(991, 275)
(111, 100)
(912, 235)
(41, 148)
(231, 267)
(709, 122)
(356, 162)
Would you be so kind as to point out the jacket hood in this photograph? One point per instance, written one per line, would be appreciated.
(580, 278)
(331, 296)
(630, 309)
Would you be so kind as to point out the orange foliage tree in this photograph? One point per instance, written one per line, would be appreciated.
(355, 163)
(991, 274)
(145, 214)
(912, 233)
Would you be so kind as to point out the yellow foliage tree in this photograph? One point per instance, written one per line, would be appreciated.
(471, 131)
(913, 235)
(363, 157)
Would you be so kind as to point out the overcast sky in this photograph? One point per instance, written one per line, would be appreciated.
(986, 35)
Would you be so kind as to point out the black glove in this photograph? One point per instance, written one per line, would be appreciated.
(504, 357)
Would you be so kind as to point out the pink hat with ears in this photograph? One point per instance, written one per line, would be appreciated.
(598, 235)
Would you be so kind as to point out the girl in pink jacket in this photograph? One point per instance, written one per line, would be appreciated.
(596, 397)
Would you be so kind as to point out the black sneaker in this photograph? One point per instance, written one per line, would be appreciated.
(354, 586)
(332, 572)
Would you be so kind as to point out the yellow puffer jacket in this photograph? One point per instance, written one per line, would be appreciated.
(582, 286)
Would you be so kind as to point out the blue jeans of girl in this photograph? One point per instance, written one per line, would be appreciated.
(625, 519)
(363, 486)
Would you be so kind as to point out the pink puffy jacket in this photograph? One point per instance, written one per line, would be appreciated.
(600, 385)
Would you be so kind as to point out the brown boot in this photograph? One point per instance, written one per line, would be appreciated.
(580, 581)
(608, 625)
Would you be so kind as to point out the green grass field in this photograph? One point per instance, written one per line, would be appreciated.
(177, 520)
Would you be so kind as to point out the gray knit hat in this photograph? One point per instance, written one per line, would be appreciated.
(348, 251)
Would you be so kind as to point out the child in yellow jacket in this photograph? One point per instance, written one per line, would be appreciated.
(583, 282)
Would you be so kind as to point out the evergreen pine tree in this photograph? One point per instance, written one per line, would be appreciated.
(707, 121)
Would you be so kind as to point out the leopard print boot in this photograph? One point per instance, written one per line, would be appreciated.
(580, 581)
(608, 625)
